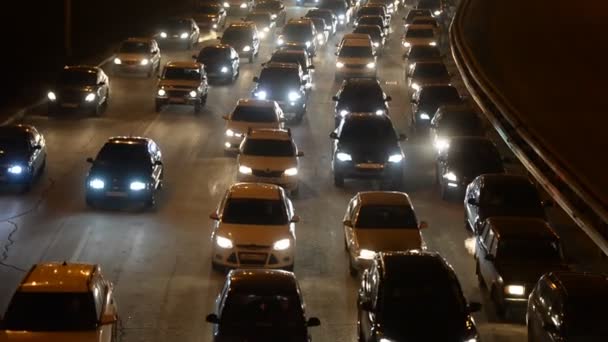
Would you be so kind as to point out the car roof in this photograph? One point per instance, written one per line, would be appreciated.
(357, 41)
(366, 116)
(576, 284)
(298, 52)
(129, 140)
(262, 282)
(255, 190)
(80, 67)
(301, 20)
(255, 103)
(354, 35)
(521, 228)
(411, 262)
(427, 62)
(369, 26)
(433, 86)
(58, 277)
(182, 64)
(270, 134)
(384, 198)
(361, 81)
(281, 65)
(217, 46)
(413, 27)
(241, 24)
(371, 16)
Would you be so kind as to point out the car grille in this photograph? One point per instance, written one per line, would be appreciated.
(178, 93)
(129, 62)
(71, 96)
(355, 66)
(253, 246)
(245, 258)
(117, 184)
(267, 173)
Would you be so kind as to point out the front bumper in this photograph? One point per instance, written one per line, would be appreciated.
(10, 178)
(233, 143)
(289, 183)
(132, 66)
(77, 105)
(291, 108)
(178, 97)
(350, 169)
(216, 73)
(117, 195)
(252, 257)
(356, 71)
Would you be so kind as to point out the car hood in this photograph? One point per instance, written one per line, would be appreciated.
(119, 172)
(178, 84)
(270, 163)
(24, 336)
(417, 41)
(355, 60)
(71, 88)
(243, 126)
(365, 152)
(379, 240)
(527, 272)
(12, 157)
(361, 105)
(238, 44)
(131, 56)
(245, 234)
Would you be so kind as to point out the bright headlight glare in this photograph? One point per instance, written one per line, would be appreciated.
(339, 65)
(437, 12)
(380, 112)
(51, 96)
(261, 95)
(163, 34)
(117, 61)
(293, 96)
(515, 290)
(382, 339)
(273, 16)
(320, 36)
(395, 158)
(226, 4)
(247, 48)
(137, 186)
(366, 254)
(266, 29)
(291, 171)
(243, 5)
(15, 169)
(415, 86)
(229, 133)
(343, 156)
(472, 339)
(214, 26)
(281, 245)
(371, 65)
(442, 144)
(90, 97)
(245, 170)
(407, 44)
(97, 183)
(224, 69)
(223, 242)
(192, 93)
(450, 176)
(376, 44)
(184, 35)
(280, 41)
(144, 61)
(344, 112)
(340, 16)
(424, 116)
(433, 43)
(262, 34)
(162, 92)
(307, 43)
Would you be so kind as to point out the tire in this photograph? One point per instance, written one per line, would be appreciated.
(482, 283)
(338, 180)
(204, 100)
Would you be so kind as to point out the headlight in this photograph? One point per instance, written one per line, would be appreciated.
(243, 5)
(320, 36)
(344, 112)
(339, 65)
(450, 176)
(307, 43)
(376, 44)
(117, 61)
(371, 65)
(415, 86)
(291, 171)
(343, 156)
(442, 144)
(262, 34)
(223, 242)
(382, 339)
(137, 186)
(261, 95)
(245, 170)
(230, 133)
(340, 16)
(293, 96)
(90, 97)
(163, 34)
(97, 184)
(281, 245)
(273, 16)
(266, 29)
(366, 254)
(214, 26)
(433, 43)
(380, 112)
(15, 169)
(280, 41)
(192, 93)
(161, 92)
(247, 48)
(144, 61)
(395, 158)
(226, 4)
(51, 96)
(407, 44)
(437, 12)
(472, 339)
(425, 116)
(184, 35)
(515, 290)
(224, 69)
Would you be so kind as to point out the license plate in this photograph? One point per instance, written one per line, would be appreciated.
(116, 194)
(373, 166)
(177, 100)
(69, 105)
(252, 257)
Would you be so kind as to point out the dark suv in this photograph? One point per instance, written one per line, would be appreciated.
(296, 56)
(178, 31)
(427, 99)
(221, 62)
(80, 88)
(413, 296)
(243, 37)
(360, 95)
(365, 145)
(285, 84)
(454, 121)
(183, 83)
(299, 32)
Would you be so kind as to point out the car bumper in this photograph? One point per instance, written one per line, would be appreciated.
(135, 67)
(232, 144)
(73, 106)
(350, 169)
(9, 178)
(291, 108)
(253, 258)
(286, 182)
(355, 72)
(118, 195)
(184, 100)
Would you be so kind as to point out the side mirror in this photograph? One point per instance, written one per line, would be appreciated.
(225, 117)
(333, 135)
(489, 257)
(212, 318)
(474, 306)
(295, 219)
(472, 201)
(347, 223)
(90, 160)
(335, 98)
(108, 319)
(313, 322)
(214, 216)
(311, 67)
(388, 99)
(300, 154)
(255, 79)
(402, 137)
(158, 163)
(423, 225)
(194, 56)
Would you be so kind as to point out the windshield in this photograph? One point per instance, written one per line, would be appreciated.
(39, 311)
(236, 34)
(78, 78)
(272, 5)
(208, 9)
(528, 250)
(425, 22)
(176, 25)
(260, 19)
(432, 4)
(135, 47)
(269, 148)
(431, 70)
(424, 51)
(290, 58)
(14, 144)
(119, 153)
(372, 10)
(356, 51)
(374, 31)
(254, 114)
(420, 33)
(297, 32)
(211, 53)
(255, 211)
(508, 194)
(278, 78)
(368, 130)
(371, 20)
(187, 74)
(438, 95)
(461, 124)
(386, 216)
(263, 312)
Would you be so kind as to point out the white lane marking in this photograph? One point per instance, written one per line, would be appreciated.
(83, 241)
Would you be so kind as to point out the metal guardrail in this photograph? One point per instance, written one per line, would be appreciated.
(588, 212)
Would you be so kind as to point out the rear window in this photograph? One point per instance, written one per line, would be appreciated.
(269, 148)
(254, 114)
(419, 33)
(431, 70)
(290, 58)
(535, 250)
(255, 212)
(256, 311)
(386, 216)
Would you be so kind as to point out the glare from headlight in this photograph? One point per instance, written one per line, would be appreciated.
(395, 158)
(433, 43)
(339, 65)
(223, 242)
(137, 186)
(214, 26)
(97, 184)
(291, 171)
(273, 16)
(51, 96)
(243, 5)
(144, 61)
(262, 34)
(163, 34)
(184, 35)
(307, 43)
(192, 93)
(247, 48)
(117, 61)
(226, 4)
(366, 254)
(320, 36)
(229, 133)
(382, 339)
(266, 29)
(293, 96)
(341, 16)
(344, 112)
(281, 245)
(437, 12)
(15, 169)
(472, 339)
(162, 92)
(376, 44)
(280, 41)
(380, 112)
(224, 69)
(343, 156)
(450, 176)
(407, 44)
(90, 97)
(261, 95)
(245, 170)
(371, 65)
(425, 116)
(515, 290)
(441, 144)
(415, 86)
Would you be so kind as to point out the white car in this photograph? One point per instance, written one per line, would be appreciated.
(269, 156)
(250, 113)
(356, 58)
(138, 55)
(254, 227)
(419, 35)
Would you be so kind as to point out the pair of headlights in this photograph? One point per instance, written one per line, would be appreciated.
(345, 112)
(226, 243)
(370, 65)
(163, 92)
(344, 157)
(99, 184)
(89, 98)
(184, 35)
(144, 61)
(292, 171)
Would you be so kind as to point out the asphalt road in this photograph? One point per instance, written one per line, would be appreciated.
(160, 261)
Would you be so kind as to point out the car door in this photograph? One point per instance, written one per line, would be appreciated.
(349, 231)
(157, 166)
(472, 209)
(369, 292)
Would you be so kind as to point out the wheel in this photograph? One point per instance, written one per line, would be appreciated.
(338, 180)
(204, 100)
(482, 284)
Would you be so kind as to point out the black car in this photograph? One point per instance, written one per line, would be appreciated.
(433, 6)
(568, 306)
(276, 9)
(413, 13)
(421, 53)
(464, 160)
(243, 37)
(220, 61)
(375, 20)
(323, 30)
(360, 95)
(413, 296)
(210, 16)
(178, 31)
(340, 8)
(327, 15)
(299, 32)
(454, 121)
(263, 22)
(366, 146)
(22, 155)
(260, 305)
(125, 169)
(296, 56)
(372, 10)
(429, 72)
(285, 84)
(427, 99)
(80, 88)
(375, 32)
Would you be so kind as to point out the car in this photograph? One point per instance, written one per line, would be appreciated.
(427, 99)
(420, 74)
(379, 10)
(220, 62)
(183, 83)
(127, 168)
(350, 36)
(568, 306)
(269, 156)
(413, 296)
(263, 22)
(138, 55)
(454, 121)
(340, 8)
(210, 15)
(436, 7)
(23, 155)
(390, 5)
(422, 53)
(322, 29)
(501, 195)
(464, 160)
(284, 83)
(379, 221)
(238, 6)
(360, 95)
(365, 145)
(296, 56)
(356, 58)
(375, 32)
(80, 88)
(276, 8)
(253, 227)
(511, 254)
(261, 305)
(62, 302)
(250, 113)
(330, 18)
(419, 35)
(374, 20)
(178, 31)
(243, 37)
(299, 32)
(430, 21)
(413, 13)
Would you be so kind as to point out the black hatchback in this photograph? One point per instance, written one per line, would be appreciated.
(221, 62)
(425, 101)
(360, 95)
(125, 169)
(22, 155)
